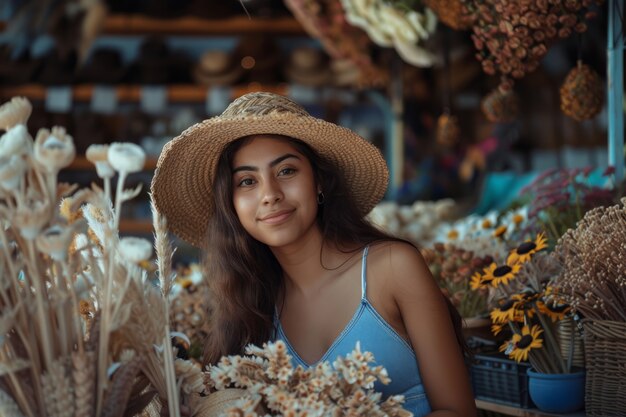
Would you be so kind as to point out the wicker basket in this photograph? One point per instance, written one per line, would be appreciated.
(605, 360)
(569, 335)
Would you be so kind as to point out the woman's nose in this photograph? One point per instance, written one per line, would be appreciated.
(271, 192)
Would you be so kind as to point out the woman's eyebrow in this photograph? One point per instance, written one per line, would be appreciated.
(272, 164)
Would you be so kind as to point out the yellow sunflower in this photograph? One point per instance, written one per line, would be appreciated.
(505, 311)
(524, 342)
(497, 328)
(556, 311)
(526, 250)
(477, 283)
(500, 274)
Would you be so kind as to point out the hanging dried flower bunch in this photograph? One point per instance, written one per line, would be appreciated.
(582, 95)
(448, 130)
(325, 20)
(395, 24)
(593, 274)
(513, 36)
(451, 13)
(501, 105)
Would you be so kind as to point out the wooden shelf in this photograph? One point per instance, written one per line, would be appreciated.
(189, 25)
(121, 24)
(136, 226)
(82, 163)
(521, 412)
(132, 93)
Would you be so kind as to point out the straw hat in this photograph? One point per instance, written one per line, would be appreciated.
(308, 66)
(183, 182)
(217, 68)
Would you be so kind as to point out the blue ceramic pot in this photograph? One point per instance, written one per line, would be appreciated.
(557, 393)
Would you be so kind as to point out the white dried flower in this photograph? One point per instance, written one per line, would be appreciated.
(15, 112)
(126, 157)
(16, 141)
(54, 150)
(99, 156)
(55, 241)
(12, 171)
(135, 249)
(29, 220)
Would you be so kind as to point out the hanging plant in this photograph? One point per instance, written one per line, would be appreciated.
(582, 95)
(511, 37)
(501, 105)
(448, 130)
(451, 13)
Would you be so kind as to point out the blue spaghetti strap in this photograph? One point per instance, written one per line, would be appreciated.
(364, 274)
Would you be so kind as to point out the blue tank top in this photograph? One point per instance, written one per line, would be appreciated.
(390, 350)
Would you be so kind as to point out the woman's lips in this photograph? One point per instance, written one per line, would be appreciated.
(277, 217)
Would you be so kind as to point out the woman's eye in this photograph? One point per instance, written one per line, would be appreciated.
(246, 182)
(286, 171)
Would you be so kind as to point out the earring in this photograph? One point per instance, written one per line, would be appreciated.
(320, 198)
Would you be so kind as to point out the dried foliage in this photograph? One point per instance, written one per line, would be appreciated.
(593, 274)
(74, 304)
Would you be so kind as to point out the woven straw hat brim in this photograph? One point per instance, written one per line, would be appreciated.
(183, 181)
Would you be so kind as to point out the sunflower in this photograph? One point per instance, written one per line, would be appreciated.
(505, 311)
(500, 274)
(525, 300)
(500, 231)
(477, 282)
(526, 250)
(555, 310)
(524, 342)
(497, 328)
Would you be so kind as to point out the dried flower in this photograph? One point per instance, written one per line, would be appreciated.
(30, 219)
(54, 150)
(99, 156)
(55, 241)
(126, 157)
(15, 112)
(12, 169)
(16, 141)
(135, 249)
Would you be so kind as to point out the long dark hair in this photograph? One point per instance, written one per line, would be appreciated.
(245, 278)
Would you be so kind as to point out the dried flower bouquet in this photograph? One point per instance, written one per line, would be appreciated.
(82, 330)
(271, 386)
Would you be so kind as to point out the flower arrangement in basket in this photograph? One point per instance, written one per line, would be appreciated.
(82, 329)
(527, 306)
(264, 383)
(593, 280)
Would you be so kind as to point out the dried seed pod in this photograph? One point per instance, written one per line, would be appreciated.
(582, 94)
(500, 105)
(448, 130)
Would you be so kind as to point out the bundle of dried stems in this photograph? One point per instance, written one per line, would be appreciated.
(83, 331)
(593, 275)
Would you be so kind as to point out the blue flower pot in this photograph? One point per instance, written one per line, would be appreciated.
(557, 393)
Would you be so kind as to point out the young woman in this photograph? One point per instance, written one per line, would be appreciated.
(277, 199)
